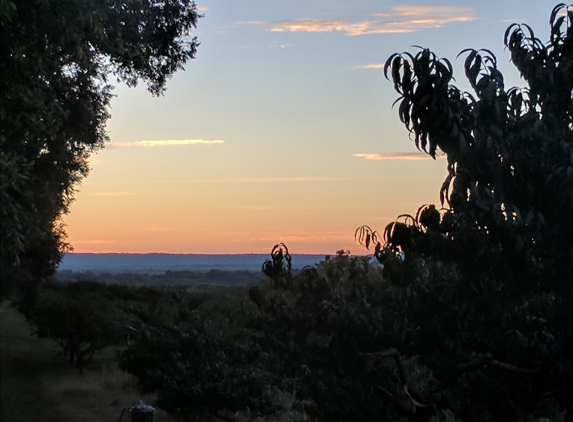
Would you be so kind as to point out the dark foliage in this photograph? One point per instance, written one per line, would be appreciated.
(203, 360)
(168, 278)
(55, 58)
(474, 306)
(198, 372)
(82, 318)
(333, 328)
(86, 316)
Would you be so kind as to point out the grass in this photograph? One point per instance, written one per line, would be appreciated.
(38, 384)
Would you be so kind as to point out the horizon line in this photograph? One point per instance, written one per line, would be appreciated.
(186, 253)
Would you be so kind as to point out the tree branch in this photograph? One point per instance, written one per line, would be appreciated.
(395, 354)
(480, 362)
(513, 368)
(459, 369)
(473, 365)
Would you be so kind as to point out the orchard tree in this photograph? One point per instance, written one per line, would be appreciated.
(56, 58)
(203, 359)
(474, 310)
(82, 317)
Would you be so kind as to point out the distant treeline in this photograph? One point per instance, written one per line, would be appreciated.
(168, 278)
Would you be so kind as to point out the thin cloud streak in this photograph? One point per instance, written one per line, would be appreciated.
(271, 180)
(298, 238)
(281, 46)
(400, 19)
(163, 143)
(113, 193)
(311, 238)
(370, 66)
(263, 207)
(433, 12)
(162, 229)
(407, 156)
(94, 161)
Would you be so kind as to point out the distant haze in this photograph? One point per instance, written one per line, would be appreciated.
(159, 262)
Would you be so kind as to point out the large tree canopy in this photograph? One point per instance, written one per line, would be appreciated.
(56, 57)
(509, 151)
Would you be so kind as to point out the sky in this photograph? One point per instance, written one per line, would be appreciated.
(281, 129)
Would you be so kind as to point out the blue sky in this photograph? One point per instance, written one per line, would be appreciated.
(281, 129)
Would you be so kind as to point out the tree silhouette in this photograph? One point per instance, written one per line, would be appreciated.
(56, 57)
(474, 312)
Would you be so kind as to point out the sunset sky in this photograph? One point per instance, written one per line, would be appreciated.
(281, 129)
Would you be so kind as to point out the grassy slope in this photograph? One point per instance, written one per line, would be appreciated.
(37, 384)
(26, 363)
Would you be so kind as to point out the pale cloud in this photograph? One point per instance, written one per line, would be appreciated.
(202, 8)
(114, 193)
(272, 179)
(163, 143)
(274, 45)
(408, 156)
(315, 25)
(313, 238)
(162, 229)
(399, 19)
(303, 179)
(94, 162)
(264, 207)
(434, 12)
(370, 66)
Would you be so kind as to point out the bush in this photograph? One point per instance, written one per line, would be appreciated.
(82, 318)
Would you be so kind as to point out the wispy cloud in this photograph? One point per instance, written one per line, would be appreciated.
(314, 238)
(202, 8)
(315, 25)
(162, 229)
(408, 156)
(94, 161)
(310, 237)
(399, 19)
(113, 193)
(273, 179)
(274, 45)
(307, 179)
(163, 143)
(264, 207)
(370, 66)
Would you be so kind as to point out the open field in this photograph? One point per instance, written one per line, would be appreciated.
(38, 385)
